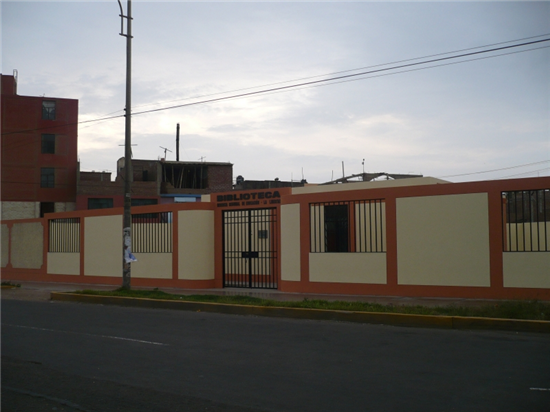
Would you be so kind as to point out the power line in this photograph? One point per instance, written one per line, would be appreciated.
(497, 170)
(340, 77)
(342, 71)
(305, 84)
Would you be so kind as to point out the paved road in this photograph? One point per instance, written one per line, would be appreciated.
(77, 357)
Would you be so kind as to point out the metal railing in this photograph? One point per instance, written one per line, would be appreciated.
(348, 226)
(64, 235)
(152, 232)
(526, 221)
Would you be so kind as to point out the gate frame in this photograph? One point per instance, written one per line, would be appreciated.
(245, 200)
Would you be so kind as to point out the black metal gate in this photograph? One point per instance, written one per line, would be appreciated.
(250, 248)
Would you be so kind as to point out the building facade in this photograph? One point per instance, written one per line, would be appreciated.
(154, 182)
(39, 153)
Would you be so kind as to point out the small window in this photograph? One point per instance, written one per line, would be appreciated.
(46, 207)
(144, 202)
(47, 177)
(48, 110)
(100, 203)
(48, 143)
(263, 234)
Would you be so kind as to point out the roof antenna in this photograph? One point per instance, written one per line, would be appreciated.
(165, 150)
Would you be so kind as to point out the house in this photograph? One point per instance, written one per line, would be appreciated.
(39, 153)
(154, 182)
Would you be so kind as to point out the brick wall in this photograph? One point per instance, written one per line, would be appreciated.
(220, 178)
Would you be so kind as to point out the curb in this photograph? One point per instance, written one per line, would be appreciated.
(394, 319)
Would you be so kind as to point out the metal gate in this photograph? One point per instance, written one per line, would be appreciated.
(250, 248)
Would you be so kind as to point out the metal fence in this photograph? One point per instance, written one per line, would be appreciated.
(348, 226)
(64, 235)
(526, 221)
(152, 232)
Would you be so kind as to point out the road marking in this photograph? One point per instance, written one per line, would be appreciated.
(540, 389)
(88, 334)
(50, 398)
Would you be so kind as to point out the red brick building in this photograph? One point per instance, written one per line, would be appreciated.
(39, 153)
(154, 182)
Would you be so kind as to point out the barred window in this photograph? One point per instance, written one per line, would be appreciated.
(152, 232)
(64, 235)
(350, 226)
(526, 221)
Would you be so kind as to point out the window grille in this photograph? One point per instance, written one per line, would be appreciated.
(64, 235)
(350, 226)
(152, 232)
(526, 221)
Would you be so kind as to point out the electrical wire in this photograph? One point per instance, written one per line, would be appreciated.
(295, 86)
(339, 72)
(496, 170)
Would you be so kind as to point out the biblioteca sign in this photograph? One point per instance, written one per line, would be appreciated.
(249, 199)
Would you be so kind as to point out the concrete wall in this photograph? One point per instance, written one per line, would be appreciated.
(64, 263)
(347, 267)
(152, 265)
(367, 185)
(5, 245)
(20, 210)
(526, 269)
(443, 240)
(103, 246)
(27, 245)
(290, 242)
(196, 244)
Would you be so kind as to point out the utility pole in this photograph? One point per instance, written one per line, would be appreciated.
(127, 256)
(177, 143)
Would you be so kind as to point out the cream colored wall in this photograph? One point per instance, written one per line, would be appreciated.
(63, 263)
(443, 240)
(416, 181)
(27, 245)
(5, 245)
(152, 265)
(196, 244)
(519, 236)
(290, 242)
(348, 267)
(526, 269)
(103, 246)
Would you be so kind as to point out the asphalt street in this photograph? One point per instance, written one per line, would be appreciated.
(93, 358)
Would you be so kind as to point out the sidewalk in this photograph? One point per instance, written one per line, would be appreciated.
(42, 290)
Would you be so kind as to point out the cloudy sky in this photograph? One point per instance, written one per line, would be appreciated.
(488, 114)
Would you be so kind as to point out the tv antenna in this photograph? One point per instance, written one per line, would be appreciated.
(165, 150)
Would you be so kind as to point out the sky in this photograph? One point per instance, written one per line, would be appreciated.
(453, 121)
